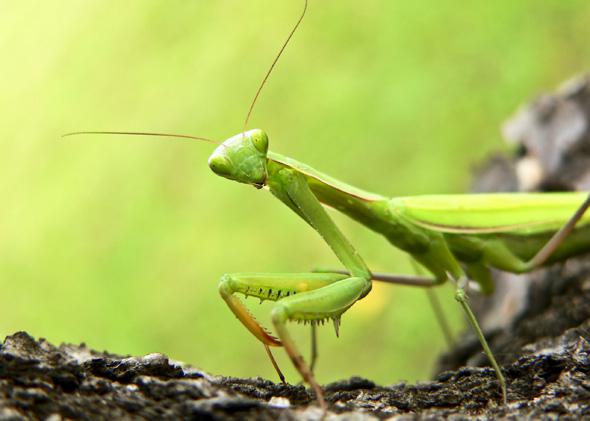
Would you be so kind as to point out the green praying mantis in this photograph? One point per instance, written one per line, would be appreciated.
(456, 238)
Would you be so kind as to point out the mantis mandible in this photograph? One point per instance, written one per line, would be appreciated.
(456, 238)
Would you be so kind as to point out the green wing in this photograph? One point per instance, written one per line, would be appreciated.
(522, 213)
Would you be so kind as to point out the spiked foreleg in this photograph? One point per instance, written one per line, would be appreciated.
(269, 286)
(325, 303)
(331, 301)
(291, 188)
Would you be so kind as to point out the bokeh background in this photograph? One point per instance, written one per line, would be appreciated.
(119, 241)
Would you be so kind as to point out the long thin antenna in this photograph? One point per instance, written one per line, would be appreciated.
(183, 136)
(272, 66)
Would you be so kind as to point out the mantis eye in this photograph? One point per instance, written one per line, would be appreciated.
(260, 142)
(220, 165)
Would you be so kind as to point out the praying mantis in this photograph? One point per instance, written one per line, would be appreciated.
(456, 238)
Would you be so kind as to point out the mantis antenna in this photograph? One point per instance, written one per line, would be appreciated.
(182, 136)
(272, 66)
(185, 136)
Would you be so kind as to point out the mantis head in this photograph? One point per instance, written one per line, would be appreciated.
(242, 158)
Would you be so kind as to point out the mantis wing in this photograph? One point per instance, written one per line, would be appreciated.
(514, 213)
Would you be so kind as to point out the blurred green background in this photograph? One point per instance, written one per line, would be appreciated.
(120, 241)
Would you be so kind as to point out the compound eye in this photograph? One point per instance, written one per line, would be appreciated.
(220, 165)
(260, 142)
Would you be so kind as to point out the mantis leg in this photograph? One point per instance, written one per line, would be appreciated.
(291, 188)
(463, 300)
(498, 255)
(394, 278)
(318, 305)
(454, 272)
(436, 308)
(274, 364)
(330, 301)
(559, 237)
(268, 287)
(439, 315)
(302, 297)
(314, 348)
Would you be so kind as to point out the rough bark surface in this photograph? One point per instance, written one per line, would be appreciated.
(538, 326)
